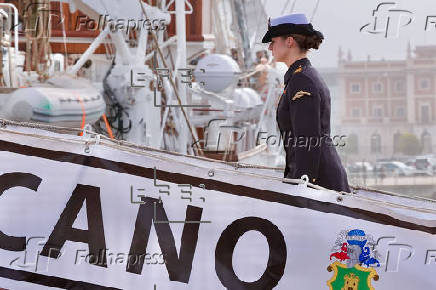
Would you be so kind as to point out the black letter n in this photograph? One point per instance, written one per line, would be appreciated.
(179, 267)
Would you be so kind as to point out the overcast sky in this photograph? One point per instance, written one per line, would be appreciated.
(341, 20)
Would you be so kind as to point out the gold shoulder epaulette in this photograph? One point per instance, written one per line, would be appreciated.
(299, 94)
(299, 69)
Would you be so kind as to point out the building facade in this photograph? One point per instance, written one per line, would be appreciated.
(384, 99)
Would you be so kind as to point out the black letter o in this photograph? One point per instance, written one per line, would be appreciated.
(226, 245)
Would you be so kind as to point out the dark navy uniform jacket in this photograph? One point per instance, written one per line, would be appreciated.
(303, 117)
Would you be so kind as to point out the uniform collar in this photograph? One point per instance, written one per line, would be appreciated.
(301, 62)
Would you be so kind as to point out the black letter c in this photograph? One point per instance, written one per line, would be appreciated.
(7, 181)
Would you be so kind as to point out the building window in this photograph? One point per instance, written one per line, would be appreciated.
(426, 142)
(425, 114)
(375, 143)
(355, 113)
(377, 112)
(399, 86)
(397, 137)
(355, 88)
(400, 112)
(377, 87)
(424, 84)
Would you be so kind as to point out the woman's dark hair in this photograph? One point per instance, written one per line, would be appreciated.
(306, 42)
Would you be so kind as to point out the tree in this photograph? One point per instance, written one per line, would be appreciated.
(409, 144)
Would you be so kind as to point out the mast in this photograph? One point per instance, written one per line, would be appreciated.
(243, 31)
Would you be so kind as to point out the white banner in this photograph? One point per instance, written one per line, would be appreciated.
(104, 216)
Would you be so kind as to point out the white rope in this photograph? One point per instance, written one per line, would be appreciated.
(98, 139)
(248, 74)
(285, 180)
(285, 7)
(293, 6)
(314, 10)
(91, 138)
(147, 151)
(121, 143)
(124, 145)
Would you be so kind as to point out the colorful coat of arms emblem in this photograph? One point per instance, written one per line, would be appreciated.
(354, 257)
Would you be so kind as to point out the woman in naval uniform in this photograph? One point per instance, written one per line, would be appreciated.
(303, 112)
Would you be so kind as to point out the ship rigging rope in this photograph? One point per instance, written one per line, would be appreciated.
(188, 123)
(286, 6)
(64, 34)
(248, 74)
(37, 32)
(122, 143)
(139, 149)
(315, 10)
(147, 151)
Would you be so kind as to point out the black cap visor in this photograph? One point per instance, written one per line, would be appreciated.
(286, 29)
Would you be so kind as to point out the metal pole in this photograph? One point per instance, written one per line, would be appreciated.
(95, 44)
(12, 6)
(12, 64)
(181, 53)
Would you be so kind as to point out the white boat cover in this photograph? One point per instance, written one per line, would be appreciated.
(85, 212)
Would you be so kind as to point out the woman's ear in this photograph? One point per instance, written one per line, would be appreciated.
(289, 41)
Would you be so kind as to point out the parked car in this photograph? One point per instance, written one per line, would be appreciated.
(361, 166)
(410, 162)
(424, 165)
(395, 168)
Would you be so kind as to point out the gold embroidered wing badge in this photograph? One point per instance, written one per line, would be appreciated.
(299, 69)
(299, 94)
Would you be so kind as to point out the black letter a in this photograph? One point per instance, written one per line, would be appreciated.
(93, 236)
